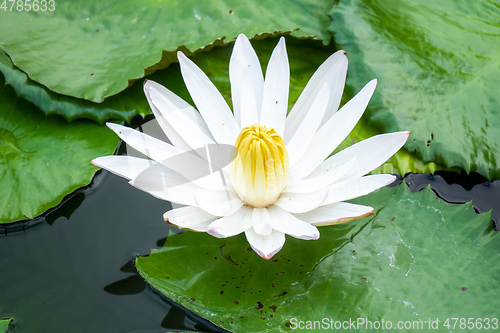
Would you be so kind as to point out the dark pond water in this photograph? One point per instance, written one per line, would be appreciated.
(461, 188)
(72, 270)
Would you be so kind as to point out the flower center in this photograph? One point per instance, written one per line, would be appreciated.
(259, 171)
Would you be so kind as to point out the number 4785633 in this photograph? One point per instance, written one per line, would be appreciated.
(28, 5)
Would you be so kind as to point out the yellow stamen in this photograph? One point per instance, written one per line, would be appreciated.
(259, 171)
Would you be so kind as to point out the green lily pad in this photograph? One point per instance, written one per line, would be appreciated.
(4, 325)
(419, 259)
(439, 71)
(90, 50)
(123, 107)
(42, 159)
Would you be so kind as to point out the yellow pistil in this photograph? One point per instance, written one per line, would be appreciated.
(259, 171)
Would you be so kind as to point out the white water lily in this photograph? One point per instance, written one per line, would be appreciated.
(282, 179)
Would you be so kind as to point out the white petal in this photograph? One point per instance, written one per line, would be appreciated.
(189, 164)
(145, 144)
(265, 246)
(261, 221)
(161, 182)
(219, 203)
(301, 202)
(368, 155)
(245, 75)
(333, 72)
(276, 86)
(283, 221)
(200, 227)
(333, 132)
(158, 178)
(320, 181)
(219, 180)
(248, 104)
(212, 172)
(336, 213)
(174, 137)
(183, 195)
(353, 188)
(164, 184)
(189, 217)
(124, 166)
(183, 117)
(209, 102)
(299, 142)
(233, 224)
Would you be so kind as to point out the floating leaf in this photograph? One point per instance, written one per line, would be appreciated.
(90, 50)
(42, 159)
(439, 71)
(123, 107)
(419, 259)
(4, 325)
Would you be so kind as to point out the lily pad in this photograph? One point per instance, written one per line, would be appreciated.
(419, 259)
(90, 50)
(439, 71)
(4, 325)
(123, 107)
(42, 159)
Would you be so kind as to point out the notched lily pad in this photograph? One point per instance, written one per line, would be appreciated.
(438, 69)
(99, 48)
(418, 259)
(42, 159)
(124, 107)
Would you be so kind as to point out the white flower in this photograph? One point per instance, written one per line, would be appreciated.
(282, 180)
